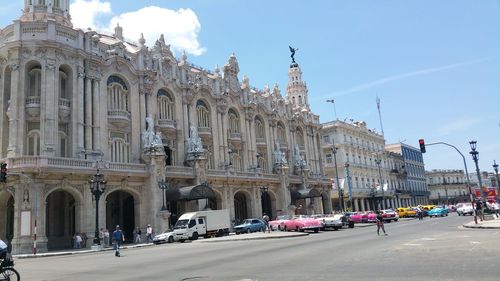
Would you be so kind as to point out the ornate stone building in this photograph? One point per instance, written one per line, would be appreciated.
(72, 101)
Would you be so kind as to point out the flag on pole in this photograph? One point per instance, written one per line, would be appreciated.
(385, 187)
(342, 181)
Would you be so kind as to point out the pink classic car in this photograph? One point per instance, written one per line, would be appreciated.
(366, 217)
(297, 223)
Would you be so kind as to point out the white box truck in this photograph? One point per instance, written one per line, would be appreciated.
(202, 223)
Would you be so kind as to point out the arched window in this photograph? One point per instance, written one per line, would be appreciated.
(234, 122)
(165, 105)
(236, 160)
(281, 133)
(203, 115)
(118, 97)
(35, 82)
(300, 138)
(33, 142)
(120, 147)
(260, 132)
(62, 145)
(56, 3)
(262, 163)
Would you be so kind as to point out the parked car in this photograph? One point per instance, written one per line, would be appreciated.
(165, 237)
(390, 215)
(369, 217)
(335, 222)
(401, 212)
(411, 212)
(279, 222)
(355, 217)
(465, 209)
(250, 225)
(301, 223)
(440, 211)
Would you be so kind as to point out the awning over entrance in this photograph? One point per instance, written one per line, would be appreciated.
(193, 192)
(305, 193)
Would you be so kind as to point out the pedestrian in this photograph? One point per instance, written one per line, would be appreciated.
(420, 213)
(265, 219)
(479, 209)
(137, 235)
(149, 234)
(380, 223)
(118, 239)
(496, 208)
(3, 250)
(78, 241)
(84, 240)
(106, 238)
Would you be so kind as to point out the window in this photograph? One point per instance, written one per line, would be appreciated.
(300, 138)
(234, 122)
(120, 147)
(260, 132)
(329, 159)
(281, 134)
(118, 98)
(34, 143)
(203, 115)
(165, 105)
(326, 139)
(63, 85)
(35, 78)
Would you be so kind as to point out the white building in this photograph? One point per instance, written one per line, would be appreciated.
(72, 101)
(363, 166)
(447, 186)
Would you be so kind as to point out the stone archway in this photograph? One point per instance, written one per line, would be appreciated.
(7, 217)
(267, 204)
(120, 210)
(60, 222)
(240, 206)
(325, 200)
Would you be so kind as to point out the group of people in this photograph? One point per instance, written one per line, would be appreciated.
(493, 208)
(80, 240)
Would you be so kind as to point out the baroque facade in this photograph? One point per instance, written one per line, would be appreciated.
(74, 101)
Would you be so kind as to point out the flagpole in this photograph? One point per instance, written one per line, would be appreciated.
(334, 108)
(380, 115)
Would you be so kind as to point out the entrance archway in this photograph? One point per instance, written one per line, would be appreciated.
(120, 210)
(7, 217)
(265, 201)
(324, 201)
(60, 220)
(240, 207)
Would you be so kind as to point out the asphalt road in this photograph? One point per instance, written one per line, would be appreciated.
(433, 249)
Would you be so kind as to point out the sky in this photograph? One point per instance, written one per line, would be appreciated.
(435, 65)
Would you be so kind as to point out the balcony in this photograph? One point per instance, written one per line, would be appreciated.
(64, 110)
(260, 141)
(119, 117)
(32, 107)
(167, 125)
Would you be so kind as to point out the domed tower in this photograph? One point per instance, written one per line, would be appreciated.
(296, 90)
(43, 10)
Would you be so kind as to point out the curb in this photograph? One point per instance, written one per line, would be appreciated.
(480, 226)
(55, 254)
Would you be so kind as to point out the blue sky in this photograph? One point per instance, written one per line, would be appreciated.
(434, 64)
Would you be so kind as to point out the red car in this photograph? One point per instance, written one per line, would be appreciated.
(298, 223)
(390, 215)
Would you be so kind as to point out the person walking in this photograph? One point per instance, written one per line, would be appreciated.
(495, 208)
(265, 219)
(106, 238)
(137, 235)
(479, 209)
(78, 241)
(118, 239)
(149, 234)
(380, 223)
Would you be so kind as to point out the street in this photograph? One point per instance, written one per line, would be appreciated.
(433, 249)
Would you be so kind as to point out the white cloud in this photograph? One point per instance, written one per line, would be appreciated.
(84, 13)
(180, 28)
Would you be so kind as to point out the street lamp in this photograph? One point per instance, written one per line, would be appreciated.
(495, 167)
(341, 195)
(378, 162)
(163, 185)
(97, 189)
(475, 157)
(349, 185)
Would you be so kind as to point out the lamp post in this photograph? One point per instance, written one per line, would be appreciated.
(378, 162)
(341, 195)
(97, 189)
(495, 167)
(349, 185)
(475, 157)
(163, 185)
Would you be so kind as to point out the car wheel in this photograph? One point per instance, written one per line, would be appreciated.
(195, 236)
(335, 228)
(237, 232)
(458, 214)
(396, 220)
(316, 230)
(285, 228)
(170, 239)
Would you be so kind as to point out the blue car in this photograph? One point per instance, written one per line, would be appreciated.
(250, 225)
(438, 211)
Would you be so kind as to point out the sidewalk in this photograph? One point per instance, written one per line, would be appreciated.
(487, 224)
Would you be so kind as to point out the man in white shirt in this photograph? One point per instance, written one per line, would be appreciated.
(149, 233)
(3, 249)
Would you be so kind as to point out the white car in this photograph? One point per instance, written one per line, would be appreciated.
(465, 209)
(165, 237)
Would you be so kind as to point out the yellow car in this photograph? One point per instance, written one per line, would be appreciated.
(401, 212)
(428, 207)
(411, 212)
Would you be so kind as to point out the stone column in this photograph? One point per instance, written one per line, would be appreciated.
(96, 116)
(50, 103)
(78, 107)
(88, 114)
(16, 104)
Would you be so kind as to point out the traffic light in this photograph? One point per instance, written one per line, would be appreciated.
(422, 145)
(3, 172)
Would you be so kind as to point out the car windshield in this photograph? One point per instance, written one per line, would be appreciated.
(181, 224)
(247, 221)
